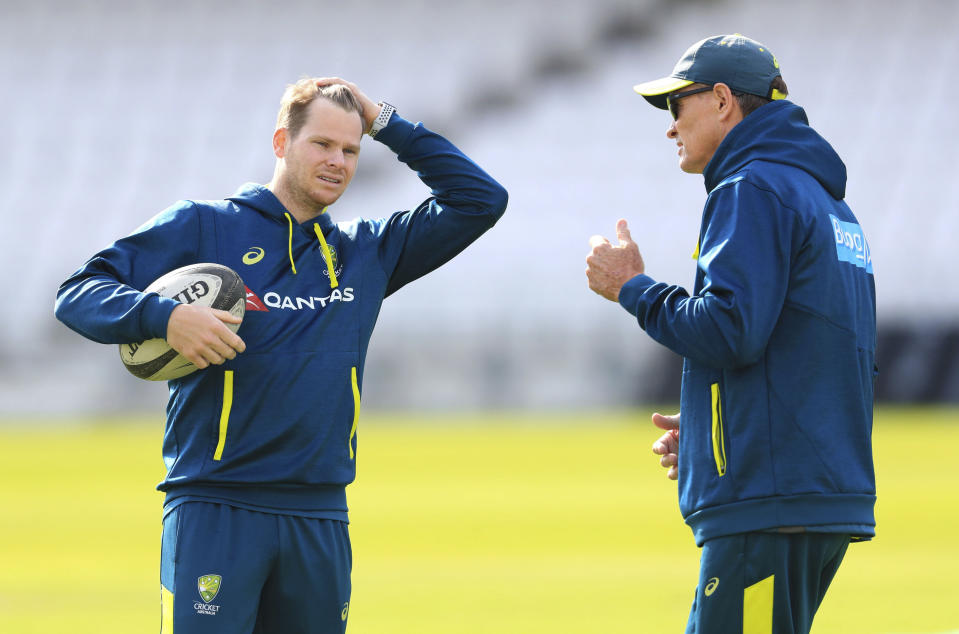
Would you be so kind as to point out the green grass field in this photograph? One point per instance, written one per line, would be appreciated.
(492, 523)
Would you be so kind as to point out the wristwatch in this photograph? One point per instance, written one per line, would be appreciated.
(384, 117)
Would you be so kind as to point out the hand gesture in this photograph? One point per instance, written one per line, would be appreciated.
(609, 267)
(668, 444)
(200, 334)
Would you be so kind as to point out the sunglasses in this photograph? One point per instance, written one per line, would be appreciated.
(676, 96)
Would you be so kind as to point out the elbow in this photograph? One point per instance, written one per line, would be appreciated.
(748, 357)
(498, 200)
(61, 304)
(733, 344)
(742, 352)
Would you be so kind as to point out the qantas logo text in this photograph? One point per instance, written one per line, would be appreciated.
(285, 302)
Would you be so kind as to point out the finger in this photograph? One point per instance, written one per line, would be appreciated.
(213, 359)
(196, 359)
(218, 351)
(229, 344)
(666, 422)
(597, 241)
(667, 443)
(662, 444)
(226, 316)
(673, 473)
(236, 343)
(669, 460)
(622, 232)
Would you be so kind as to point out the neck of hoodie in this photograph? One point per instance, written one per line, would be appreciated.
(265, 201)
(261, 198)
(302, 208)
(778, 132)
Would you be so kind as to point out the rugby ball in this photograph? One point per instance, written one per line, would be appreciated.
(204, 284)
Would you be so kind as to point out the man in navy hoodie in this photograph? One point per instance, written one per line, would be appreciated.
(775, 466)
(260, 443)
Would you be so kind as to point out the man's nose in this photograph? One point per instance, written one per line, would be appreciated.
(335, 158)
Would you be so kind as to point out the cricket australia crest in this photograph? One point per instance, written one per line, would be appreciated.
(335, 263)
(208, 586)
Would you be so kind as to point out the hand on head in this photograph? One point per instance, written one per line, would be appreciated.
(371, 110)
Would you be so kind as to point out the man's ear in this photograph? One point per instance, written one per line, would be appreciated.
(279, 142)
(726, 103)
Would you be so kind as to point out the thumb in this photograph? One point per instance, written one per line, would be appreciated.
(622, 232)
(666, 422)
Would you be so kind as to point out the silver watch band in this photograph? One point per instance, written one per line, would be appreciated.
(384, 117)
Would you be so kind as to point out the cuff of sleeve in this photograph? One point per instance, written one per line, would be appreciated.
(632, 291)
(156, 316)
(395, 133)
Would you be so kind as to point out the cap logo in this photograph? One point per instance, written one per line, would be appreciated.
(775, 61)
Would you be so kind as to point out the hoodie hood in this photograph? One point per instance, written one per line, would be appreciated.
(265, 201)
(778, 132)
(259, 197)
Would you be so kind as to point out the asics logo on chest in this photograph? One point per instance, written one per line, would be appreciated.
(254, 255)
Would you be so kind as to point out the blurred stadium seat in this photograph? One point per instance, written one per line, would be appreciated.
(113, 110)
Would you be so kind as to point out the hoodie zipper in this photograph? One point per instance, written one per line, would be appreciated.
(356, 410)
(719, 446)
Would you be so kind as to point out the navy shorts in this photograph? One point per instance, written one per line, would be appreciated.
(227, 570)
(764, 583)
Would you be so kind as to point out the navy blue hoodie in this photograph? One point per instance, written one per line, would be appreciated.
(778, 339)
(275, 428)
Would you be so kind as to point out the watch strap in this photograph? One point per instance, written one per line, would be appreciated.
(382, 119)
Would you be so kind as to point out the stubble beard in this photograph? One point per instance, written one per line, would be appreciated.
(303, 199)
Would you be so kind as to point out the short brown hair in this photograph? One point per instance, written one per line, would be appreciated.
(299, 96)
(749, 103)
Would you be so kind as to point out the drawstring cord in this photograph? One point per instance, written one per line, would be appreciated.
(324, 247)
(289, 219)
(326, 255)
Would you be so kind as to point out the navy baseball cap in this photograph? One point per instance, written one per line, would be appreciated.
(743, 64)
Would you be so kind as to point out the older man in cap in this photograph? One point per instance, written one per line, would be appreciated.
(778, 336)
